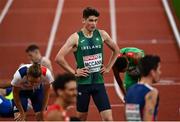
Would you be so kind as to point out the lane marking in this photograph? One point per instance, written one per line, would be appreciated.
(5, 10)
(112, 7)
(54, 28)
(14, 44)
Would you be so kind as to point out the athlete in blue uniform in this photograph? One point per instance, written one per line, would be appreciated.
(6, 105)
(142, 99)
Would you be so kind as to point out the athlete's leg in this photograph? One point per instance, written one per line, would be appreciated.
(102, 102)
(39, 116)
(106, 115)
(83, 99)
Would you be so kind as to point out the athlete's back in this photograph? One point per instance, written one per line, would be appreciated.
(135, 102)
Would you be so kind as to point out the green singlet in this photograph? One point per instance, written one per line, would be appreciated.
(129, 80)
(89, 54)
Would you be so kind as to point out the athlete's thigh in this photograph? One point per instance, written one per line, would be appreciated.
(83, 98)
(100, 97)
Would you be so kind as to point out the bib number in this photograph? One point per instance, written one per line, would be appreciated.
(93, 62)
(133, 112)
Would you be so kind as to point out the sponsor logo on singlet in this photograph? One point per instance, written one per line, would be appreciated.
(133, 112)
(93, 62)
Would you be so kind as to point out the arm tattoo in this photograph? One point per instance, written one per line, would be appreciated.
(151, 111)
(149, 97)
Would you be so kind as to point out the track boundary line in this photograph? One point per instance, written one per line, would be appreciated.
(112, 7)
(5, 10)
(5, 44)
(54, 28)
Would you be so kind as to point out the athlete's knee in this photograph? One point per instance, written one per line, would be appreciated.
(39, 116)
(106, 115)
(82, 116)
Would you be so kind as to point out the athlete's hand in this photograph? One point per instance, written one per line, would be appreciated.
(84, 72)
(104, 70)
(20, 117)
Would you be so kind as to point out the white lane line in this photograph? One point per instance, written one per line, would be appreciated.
(14, 44)
(113, 20)
(114, 38)
(5, 10)
(92, 105)
(54, 28)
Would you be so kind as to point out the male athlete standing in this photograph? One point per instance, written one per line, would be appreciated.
(87, 45)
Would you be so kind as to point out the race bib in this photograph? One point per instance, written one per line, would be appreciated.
(133, 112)
(93, 62)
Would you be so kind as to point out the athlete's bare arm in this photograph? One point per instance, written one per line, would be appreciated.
(21, 116)
(114, 47)
(47, 63)
(70, 46)
(118, 79)
(150, 103)
(5, 84)
(46, 96)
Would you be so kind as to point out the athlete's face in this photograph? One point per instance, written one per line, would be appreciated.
(69, 94)
(90, 23)
(33, 81)
(156, 74)
(34, 56)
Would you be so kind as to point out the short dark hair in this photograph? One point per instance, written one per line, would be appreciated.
(31, 48)
(148, 63)
(35, 70)
(88, 11)
(121, 63)
(61, 80)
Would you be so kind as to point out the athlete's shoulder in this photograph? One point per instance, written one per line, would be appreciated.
(153, 94)
(23, 69)
(102, 32)
(73, 39)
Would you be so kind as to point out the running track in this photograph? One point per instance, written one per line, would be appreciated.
(140, 23)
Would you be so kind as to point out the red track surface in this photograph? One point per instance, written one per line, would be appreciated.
(139, 23)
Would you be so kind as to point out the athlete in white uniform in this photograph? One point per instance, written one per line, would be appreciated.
(31, 81)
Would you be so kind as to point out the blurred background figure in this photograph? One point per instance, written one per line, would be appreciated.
(66, 90)
(34, 55)
(6, 105)
(126, 63)
(142, 100)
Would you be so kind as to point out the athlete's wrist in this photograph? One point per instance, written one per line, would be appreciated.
(75, 72)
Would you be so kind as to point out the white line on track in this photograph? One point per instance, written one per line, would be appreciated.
(54, 27)
(5, 10)
(165, 41)
(112, 7)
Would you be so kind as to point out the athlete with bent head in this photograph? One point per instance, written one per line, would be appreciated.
(31, 81)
